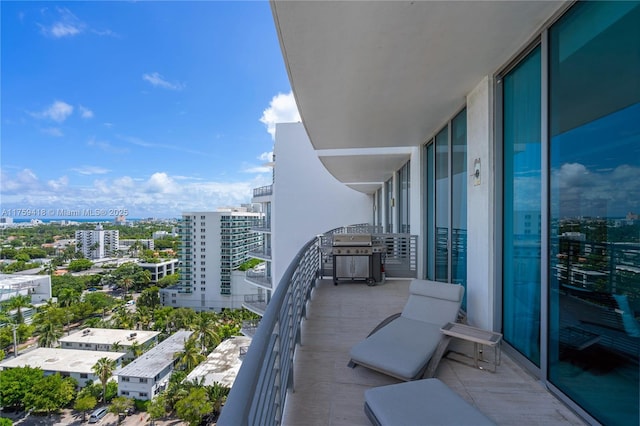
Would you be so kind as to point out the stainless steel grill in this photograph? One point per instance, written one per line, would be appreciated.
(356, 257)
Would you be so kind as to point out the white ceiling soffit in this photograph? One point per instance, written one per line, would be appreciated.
(390, 73)
(364, 170)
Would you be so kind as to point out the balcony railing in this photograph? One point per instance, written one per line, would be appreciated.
(263, 191)
(256, 303)
(259, 278)
(261, 225)
(258, 394)
(260, 389)
(264, 254)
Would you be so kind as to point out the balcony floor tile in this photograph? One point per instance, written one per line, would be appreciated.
(328, 392)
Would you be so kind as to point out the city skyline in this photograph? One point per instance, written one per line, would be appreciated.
(151, 107)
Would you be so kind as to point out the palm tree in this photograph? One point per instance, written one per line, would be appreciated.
(18, 302)
(116, 346)
(68, 297)
(49, 332)
(190, 356)
(136, 349)
(104, 370)
(217, 395)
(204, 328)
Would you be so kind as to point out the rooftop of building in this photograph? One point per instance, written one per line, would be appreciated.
(156, 359)
(223, 363)
(56, 359)
(19, 281)
(107, 336)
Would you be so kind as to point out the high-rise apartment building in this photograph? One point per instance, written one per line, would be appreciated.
(213, 245)
(98, 243)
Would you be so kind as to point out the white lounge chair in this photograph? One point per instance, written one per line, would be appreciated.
(402, 345)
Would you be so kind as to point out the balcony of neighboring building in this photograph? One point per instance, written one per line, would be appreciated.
(259, 276)
(261, 225)
(262, 194)
(262, 253)
(256, 303)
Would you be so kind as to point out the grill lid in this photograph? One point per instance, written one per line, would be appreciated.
(359, 240)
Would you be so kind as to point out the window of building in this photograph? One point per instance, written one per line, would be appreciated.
(84, 375)
(594, 175)
(125, 379)
(522, 173)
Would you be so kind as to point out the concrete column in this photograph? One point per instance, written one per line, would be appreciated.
(482, 289)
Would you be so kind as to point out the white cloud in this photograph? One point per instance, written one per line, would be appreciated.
(57, 111)
(85, 112)
(266, 156)
(159, 81)
(282, 109)
(90, 170)
(58, 184)
(160, 183)
(66, 24)
(156, 195)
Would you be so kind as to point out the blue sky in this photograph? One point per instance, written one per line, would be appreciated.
(155, 107)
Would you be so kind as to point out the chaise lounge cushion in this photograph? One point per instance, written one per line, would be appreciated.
(404, 346)
(422, 402)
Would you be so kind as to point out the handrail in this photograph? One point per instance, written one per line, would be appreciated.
(258, 394)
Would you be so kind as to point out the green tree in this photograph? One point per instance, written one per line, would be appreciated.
(78, 265)
(190, 356)
(217, 395)
(169, 280)
(116, 346)
(157, 408)
(50, 394)
(120, 405)
(49, 331)
(100, 301)
(104, 370)
(204, 328)
(149, 298)
(85, 403)
(194, 406)
(68, 296)
(15, 384)
(18, 303)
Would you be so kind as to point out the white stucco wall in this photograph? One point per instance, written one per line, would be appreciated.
(307, 199)
(481, 246)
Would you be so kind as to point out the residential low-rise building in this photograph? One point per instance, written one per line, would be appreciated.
(110, 340)
(223, 363)
(149, 374)
(161, 269)
(68, 362)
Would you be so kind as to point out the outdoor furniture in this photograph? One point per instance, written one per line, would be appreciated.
(402, 345)
(421, 402)
(479, 337)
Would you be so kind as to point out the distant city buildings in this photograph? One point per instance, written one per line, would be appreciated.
(126, 245)
(98, 243)
(213, 245)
